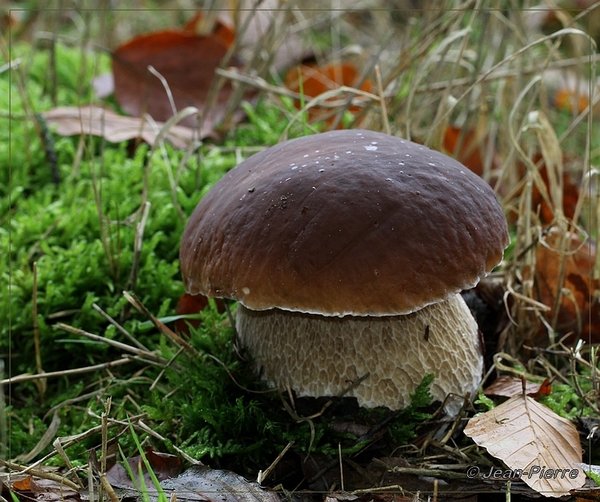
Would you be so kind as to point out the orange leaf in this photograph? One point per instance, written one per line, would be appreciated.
(466, 147)
(23, 484)
(578, 308)
(570, 192)
(313, 80)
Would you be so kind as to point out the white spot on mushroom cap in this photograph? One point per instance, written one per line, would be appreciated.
(370, 147)
(246, 290)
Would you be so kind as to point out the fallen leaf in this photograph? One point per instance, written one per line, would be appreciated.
(47, 490)
(98, 121)
(570, 190)
(164, 466)
(468, 147)
(23, 484)
(205, 483)
(508, 386)
(533, 441)
(578, 307)
(202, 484)
(187, 61)
(312, 80)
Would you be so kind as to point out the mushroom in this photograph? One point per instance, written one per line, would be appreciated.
(347, 252)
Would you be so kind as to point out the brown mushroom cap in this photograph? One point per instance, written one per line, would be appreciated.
(349, 222)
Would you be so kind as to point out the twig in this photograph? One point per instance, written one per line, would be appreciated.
(264, 475)
(163, 328)
(155, 434)
(384, 117)
(40, 473)
(137, 245)
(76, 371)
(129, 336)
(119, 345)
(40, 383)
(417, 471)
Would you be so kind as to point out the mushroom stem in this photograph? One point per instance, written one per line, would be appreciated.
(321, 356)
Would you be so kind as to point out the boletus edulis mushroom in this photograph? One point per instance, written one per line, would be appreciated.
(347, 252)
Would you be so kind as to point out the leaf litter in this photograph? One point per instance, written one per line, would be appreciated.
(533, 440)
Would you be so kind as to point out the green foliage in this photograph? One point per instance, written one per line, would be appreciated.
(403, 425)
(566, 402)
(484, 402)
(215, 415)
(81, 234)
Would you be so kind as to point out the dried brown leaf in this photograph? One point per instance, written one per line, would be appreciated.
(578, 307)
(213, 484)
(527, 435)
(36, 488)
(508, 386)
(186, 60)
(164, 466)
(98, 121)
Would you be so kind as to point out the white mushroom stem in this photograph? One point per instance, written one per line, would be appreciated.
(322, 356)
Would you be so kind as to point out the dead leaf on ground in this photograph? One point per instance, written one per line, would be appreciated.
(508, 386)
(578, 306)
(468, 146)
(164, 466)
(36, 488)
(312, 80)
(98, 121)
(186, 60)
(199, 483)
(202, 483)
(530, 437)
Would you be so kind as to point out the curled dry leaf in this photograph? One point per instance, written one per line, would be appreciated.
(540, 447)
(98, 121)
(312, 80)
